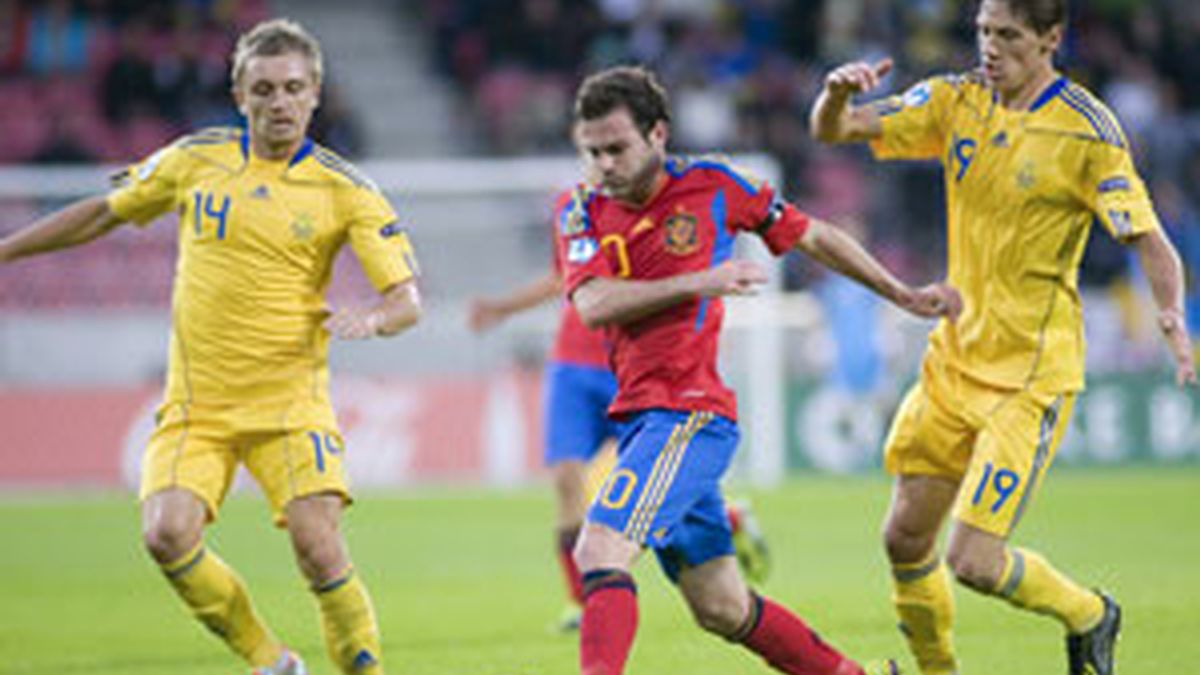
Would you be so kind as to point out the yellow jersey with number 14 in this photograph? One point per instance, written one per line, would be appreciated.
(257, 242)
(1023, 188)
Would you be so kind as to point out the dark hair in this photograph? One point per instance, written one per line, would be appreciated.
(632, 87)
(1041, 15)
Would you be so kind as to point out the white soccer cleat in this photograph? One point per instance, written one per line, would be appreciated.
(289, 663)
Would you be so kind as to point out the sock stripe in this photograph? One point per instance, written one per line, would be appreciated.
(752, 620)
(1016, 572)
(907, 574)
(175, 571)
(335, 583)
(598, 580)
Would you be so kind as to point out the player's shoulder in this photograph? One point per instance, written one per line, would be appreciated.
(717, 168)
(1080, 113)
(223, 145)
(332, 167)
(957, 87)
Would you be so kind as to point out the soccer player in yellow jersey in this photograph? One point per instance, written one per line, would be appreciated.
(263, 212)
(1030, 160)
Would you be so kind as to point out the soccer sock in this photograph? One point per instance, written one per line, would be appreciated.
(1031, 583)
(218, 598)
(567, 536)
(784, 641)
(348, 624)
(610, 617)
(924, 602)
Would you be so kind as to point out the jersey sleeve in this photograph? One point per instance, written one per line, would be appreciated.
(579, 245)
(753, 205)
(1116, 194)
(380, 242)
(914, 124)
(148, 189)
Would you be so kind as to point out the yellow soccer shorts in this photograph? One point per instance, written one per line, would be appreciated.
(200, 452)
(998, 442)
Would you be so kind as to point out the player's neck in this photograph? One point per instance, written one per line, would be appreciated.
(1022, 97)
(651, 190)
(274, 152)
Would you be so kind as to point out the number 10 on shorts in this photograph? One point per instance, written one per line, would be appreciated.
(1002, 482)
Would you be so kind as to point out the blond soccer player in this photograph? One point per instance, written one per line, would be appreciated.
(263, 212)
(1030, 161)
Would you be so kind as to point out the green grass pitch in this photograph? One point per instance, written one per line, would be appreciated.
(464, 582)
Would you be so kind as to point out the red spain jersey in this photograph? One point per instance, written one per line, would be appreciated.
(574, 342)
(669, 359)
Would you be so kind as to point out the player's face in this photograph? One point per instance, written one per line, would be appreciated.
(278, 95)
(626, 162)
(1012, 55)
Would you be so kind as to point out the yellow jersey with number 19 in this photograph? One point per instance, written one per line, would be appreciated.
(1023, 188)
(257, 243)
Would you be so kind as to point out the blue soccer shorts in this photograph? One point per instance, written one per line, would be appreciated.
(576, 422)
(665, 491)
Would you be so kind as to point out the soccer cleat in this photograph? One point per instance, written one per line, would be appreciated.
(887, 667)
(1093, 652)
(569, 622)
(749, 544)
(289, 663)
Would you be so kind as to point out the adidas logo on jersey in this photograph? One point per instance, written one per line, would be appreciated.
(260, 192)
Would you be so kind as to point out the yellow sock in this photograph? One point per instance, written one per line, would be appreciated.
(922, 596)
(349, 626)
(218, 598)
(1031, 583)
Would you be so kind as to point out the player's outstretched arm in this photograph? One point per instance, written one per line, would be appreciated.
(834, 119)
(72, 225)
(486, 313)
(1163, 269)
(601, 301)
(398, 309)
(838, 251)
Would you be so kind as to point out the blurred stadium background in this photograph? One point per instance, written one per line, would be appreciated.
(459, 109)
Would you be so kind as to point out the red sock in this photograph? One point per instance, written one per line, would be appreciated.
(610, 616)
(790, 646)
(567, 537)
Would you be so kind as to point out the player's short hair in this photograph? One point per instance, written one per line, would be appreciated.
(272, 38)
(631, 87)
(1041, 15)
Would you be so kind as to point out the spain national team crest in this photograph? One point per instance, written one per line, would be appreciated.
(681, 235)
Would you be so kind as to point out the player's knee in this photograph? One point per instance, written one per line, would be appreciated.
(723, 617)
(905, 545)
(168, 539)
(972, 569)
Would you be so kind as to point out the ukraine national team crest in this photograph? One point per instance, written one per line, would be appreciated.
(681, 237)
(303, 227)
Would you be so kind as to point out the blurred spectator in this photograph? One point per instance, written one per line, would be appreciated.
(61, 37)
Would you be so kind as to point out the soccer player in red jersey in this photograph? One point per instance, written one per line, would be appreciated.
(648, 257)
(577, 388)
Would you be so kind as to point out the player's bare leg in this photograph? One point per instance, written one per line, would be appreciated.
(921, 589)
(173, 523)
(347, 617)
(1024, 579)
(610, 612)
(570, 506)
(722, 604)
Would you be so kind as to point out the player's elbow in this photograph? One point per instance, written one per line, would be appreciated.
(591, 304)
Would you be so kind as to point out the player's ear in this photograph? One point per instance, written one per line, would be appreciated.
(239, 98)
(1052, 38)
(659, 133)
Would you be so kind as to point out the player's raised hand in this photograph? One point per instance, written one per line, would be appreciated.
(934, 301)
(1174, 330)
(732, 277)
(856, 77)
(484, 314)
(354, 323)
